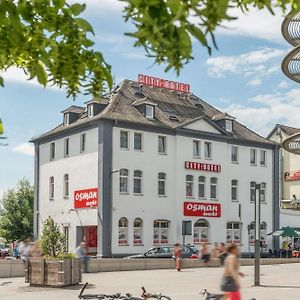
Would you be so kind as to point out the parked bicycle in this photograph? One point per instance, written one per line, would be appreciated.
(209, 296)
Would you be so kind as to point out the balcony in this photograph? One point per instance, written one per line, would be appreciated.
(293, 204)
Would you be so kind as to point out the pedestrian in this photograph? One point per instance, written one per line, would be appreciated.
(205, 254)
(222, 253)
(82, 252)
(215, 251)
(231, 278)
(24, 249)
(36, 250)
(177, 254)
(16, 253)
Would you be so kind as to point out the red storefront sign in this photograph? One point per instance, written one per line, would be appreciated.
(162, 83)
(198, 209)
(292, 175)
(86, 198)
(202, 166)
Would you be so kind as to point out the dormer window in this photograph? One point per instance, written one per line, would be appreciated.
(90, 110)
(66, 119)
(228, 125)
(149, 111)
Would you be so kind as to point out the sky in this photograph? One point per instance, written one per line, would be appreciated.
(243, 78)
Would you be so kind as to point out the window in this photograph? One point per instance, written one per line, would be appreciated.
(263, 233)
(263, 157)
(233, 233)
(138, 231)
(66, 234)
(253, 156)
(52, 151)
(162, 145)
(207, 150)
(189, 185)
(82, 142)
(150, 111)
(137, 182)
(263, 192)
(234, 154)
(213, 188)
(66, 146)
(228, 125)
(124, 140)
(123, 181)
(51, 188)
(66, 119)
(90, 110)
(234, 190)
(196, 149)
(252, 191)
(138, 141)
(201, 187)
(123, 231)
(252, 234)
(66, 185)
(201, 231)
(160, 232)
(162, 184)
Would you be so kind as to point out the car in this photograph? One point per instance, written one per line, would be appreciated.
(4, 250)
(189, 251)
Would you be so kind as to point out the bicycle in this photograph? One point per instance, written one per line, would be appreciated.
(157, 296)
(209, 296)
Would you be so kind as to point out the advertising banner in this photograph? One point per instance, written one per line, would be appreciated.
(86, 198)
(292, 175)
(198, 209)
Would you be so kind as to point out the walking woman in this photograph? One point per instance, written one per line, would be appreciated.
(177, 254)
(231, 278)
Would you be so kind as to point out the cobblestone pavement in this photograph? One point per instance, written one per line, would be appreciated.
(279, 282)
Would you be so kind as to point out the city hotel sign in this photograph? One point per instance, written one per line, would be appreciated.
(202, 166)
(163, 83)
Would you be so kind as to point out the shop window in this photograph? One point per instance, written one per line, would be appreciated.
(123, 181)
(196, 149)
(252, 191)
(234, 190)
(138, 231)
(253, 157)
(138, 141)
(137, 182)
(201, 187)
(201, 231)
(52, 151)
(189, 185)
(161, 232)
(263, 187)
(51, 188)
(263, 233)
(234, 154)
(233, 233)
(82, 142)
(162, 145)
(263, 157)
(213, 188)
(207, 150)
(123, 231)
(252, 234)
(162, 177)
(124, 140)
(66, 185)
(66, 147)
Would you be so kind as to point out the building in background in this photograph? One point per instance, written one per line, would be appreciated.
(123, 172)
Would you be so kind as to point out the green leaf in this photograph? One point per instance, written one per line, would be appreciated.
(77, 9)
(1, 81)
(40, 74)
(85, 25)
(1, 127)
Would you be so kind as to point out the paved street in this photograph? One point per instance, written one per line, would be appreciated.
(279, 282)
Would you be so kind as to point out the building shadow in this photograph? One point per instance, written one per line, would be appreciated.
(280, 286)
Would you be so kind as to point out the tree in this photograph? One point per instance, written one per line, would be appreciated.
(50, 42)
(16, 220)
(52, 240)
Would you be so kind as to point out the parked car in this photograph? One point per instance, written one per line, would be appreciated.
(4, 250)
(189, 251)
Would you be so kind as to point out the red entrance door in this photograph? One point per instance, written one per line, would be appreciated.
(89, 234)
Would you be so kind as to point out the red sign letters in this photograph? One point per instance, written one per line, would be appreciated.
(202, 166)
(86, 198)
(292, 175)
(197, 209)
(162, 83)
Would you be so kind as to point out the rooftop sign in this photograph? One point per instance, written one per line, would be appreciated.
(162, 83)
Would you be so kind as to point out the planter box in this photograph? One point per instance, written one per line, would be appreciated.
(53, 272)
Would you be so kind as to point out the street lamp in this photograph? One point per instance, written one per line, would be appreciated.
(257, 236)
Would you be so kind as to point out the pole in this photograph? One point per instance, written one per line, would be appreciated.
(257, 236)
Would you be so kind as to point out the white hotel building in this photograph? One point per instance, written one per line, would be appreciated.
(144, 159)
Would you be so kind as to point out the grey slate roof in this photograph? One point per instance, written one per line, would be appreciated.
(186, 107)
(287, 129)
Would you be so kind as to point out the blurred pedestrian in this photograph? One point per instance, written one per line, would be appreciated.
(36, 250)
(82, 252)
(177, 254)
(222, 253)
(205, 254)
(215, 251)
(231, 278)
(16, 253)
(24, 249)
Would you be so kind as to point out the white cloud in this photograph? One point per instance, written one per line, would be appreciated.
(255, 82)
(283, 84)
(268, 110)
(25, 148)
(101, 6)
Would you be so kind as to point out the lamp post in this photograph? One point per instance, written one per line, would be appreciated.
(257, 236)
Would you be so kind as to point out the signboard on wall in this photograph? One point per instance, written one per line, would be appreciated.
(292, 175)
(86, 198)
(198, 209)
(202, 166)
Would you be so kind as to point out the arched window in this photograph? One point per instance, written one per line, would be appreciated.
(252, 191)
(160, 232)
(123, 231)
(201, 231)
(201, 187)
(263, 188)
(138, 231)
(124, 181)
(137, 182)
(234, 190)
(213, 188)
(233, 232)
(189, 183)
(162, 177)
